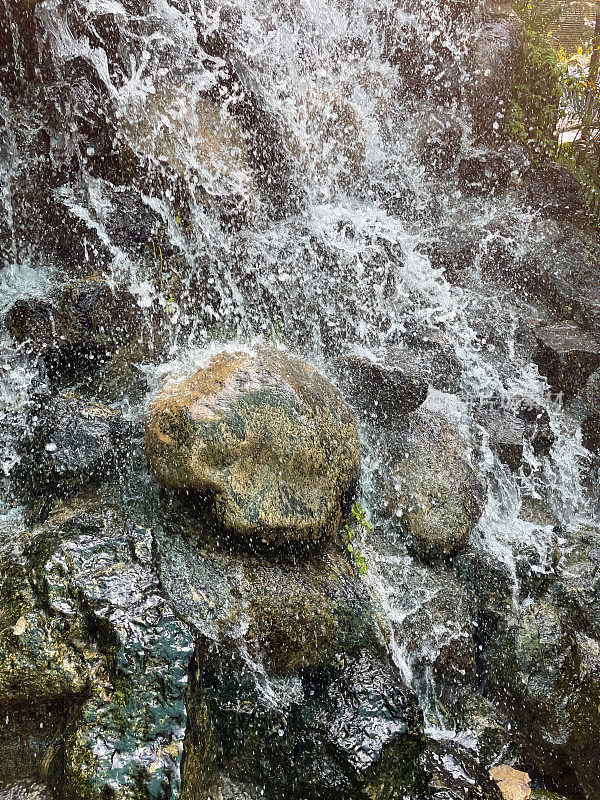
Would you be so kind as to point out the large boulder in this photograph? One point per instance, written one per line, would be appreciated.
(266, 435)
(433, 491)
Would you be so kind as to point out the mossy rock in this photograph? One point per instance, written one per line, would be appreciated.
(266, 435)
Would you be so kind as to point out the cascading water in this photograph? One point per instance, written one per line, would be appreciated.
(259, 172)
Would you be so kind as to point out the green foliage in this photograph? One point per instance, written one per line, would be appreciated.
(349, 534)
(535, 14)
(581, 104)
(534, 108)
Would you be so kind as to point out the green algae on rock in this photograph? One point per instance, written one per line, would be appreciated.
(269, 437)
(87, 630)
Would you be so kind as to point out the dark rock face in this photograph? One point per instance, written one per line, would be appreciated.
(290, 612)
(553, 190)
(87, 628)
(498, 58)
(389, 389)
(433, 491)
(81, 325)
(456, 773)
(70, 442)
(484, 173)
(356, 734)
(590, 426)
(567, 355)
(508, 429)
(431, 621)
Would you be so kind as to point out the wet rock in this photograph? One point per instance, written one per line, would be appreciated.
(538, 427)
(334, 144)
(80, 325)
(429, 616)
(560, 272)
(498, 57)
(433, 491)
(70, 442)
(567, 355)
(96, 579)
(201, 139)
(577, 582)
(484, 173)
(266, 435)
(553, 190)
(590, 425)
(514, 784)
(547, 673)
(439, 144)
(454, 252)
(455, 772)
(356, 733)
(288, 612)
(506, 433)
(489, 589)
(387, 389)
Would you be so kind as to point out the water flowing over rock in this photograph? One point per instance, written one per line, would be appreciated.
(267, 435)
(291, 591)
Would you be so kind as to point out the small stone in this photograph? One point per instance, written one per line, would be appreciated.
(513, 783)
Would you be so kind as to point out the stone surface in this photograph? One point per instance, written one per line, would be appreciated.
(88, 631)
(355, 733)
(498, 57)
(80, 325)
(454, 772)
(266, 435)
(387, 389)
(514, 784)
(484, 173)
(287, 612)
(430, 617)
(553, 190)
(433, 492)
(70, 442)
(567, 355)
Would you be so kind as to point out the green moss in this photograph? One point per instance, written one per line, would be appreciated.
(534, 107)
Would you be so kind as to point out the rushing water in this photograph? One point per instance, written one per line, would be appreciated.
(343, 270)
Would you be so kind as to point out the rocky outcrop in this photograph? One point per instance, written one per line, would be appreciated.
(355, 733)
(498, 57)
(266, 435)
(554, 191)
(567, 355)
(80, 325)
(86, 630)
(433, 491)
(70, 442)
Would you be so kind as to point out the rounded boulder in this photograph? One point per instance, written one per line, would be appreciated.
(266, 435)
